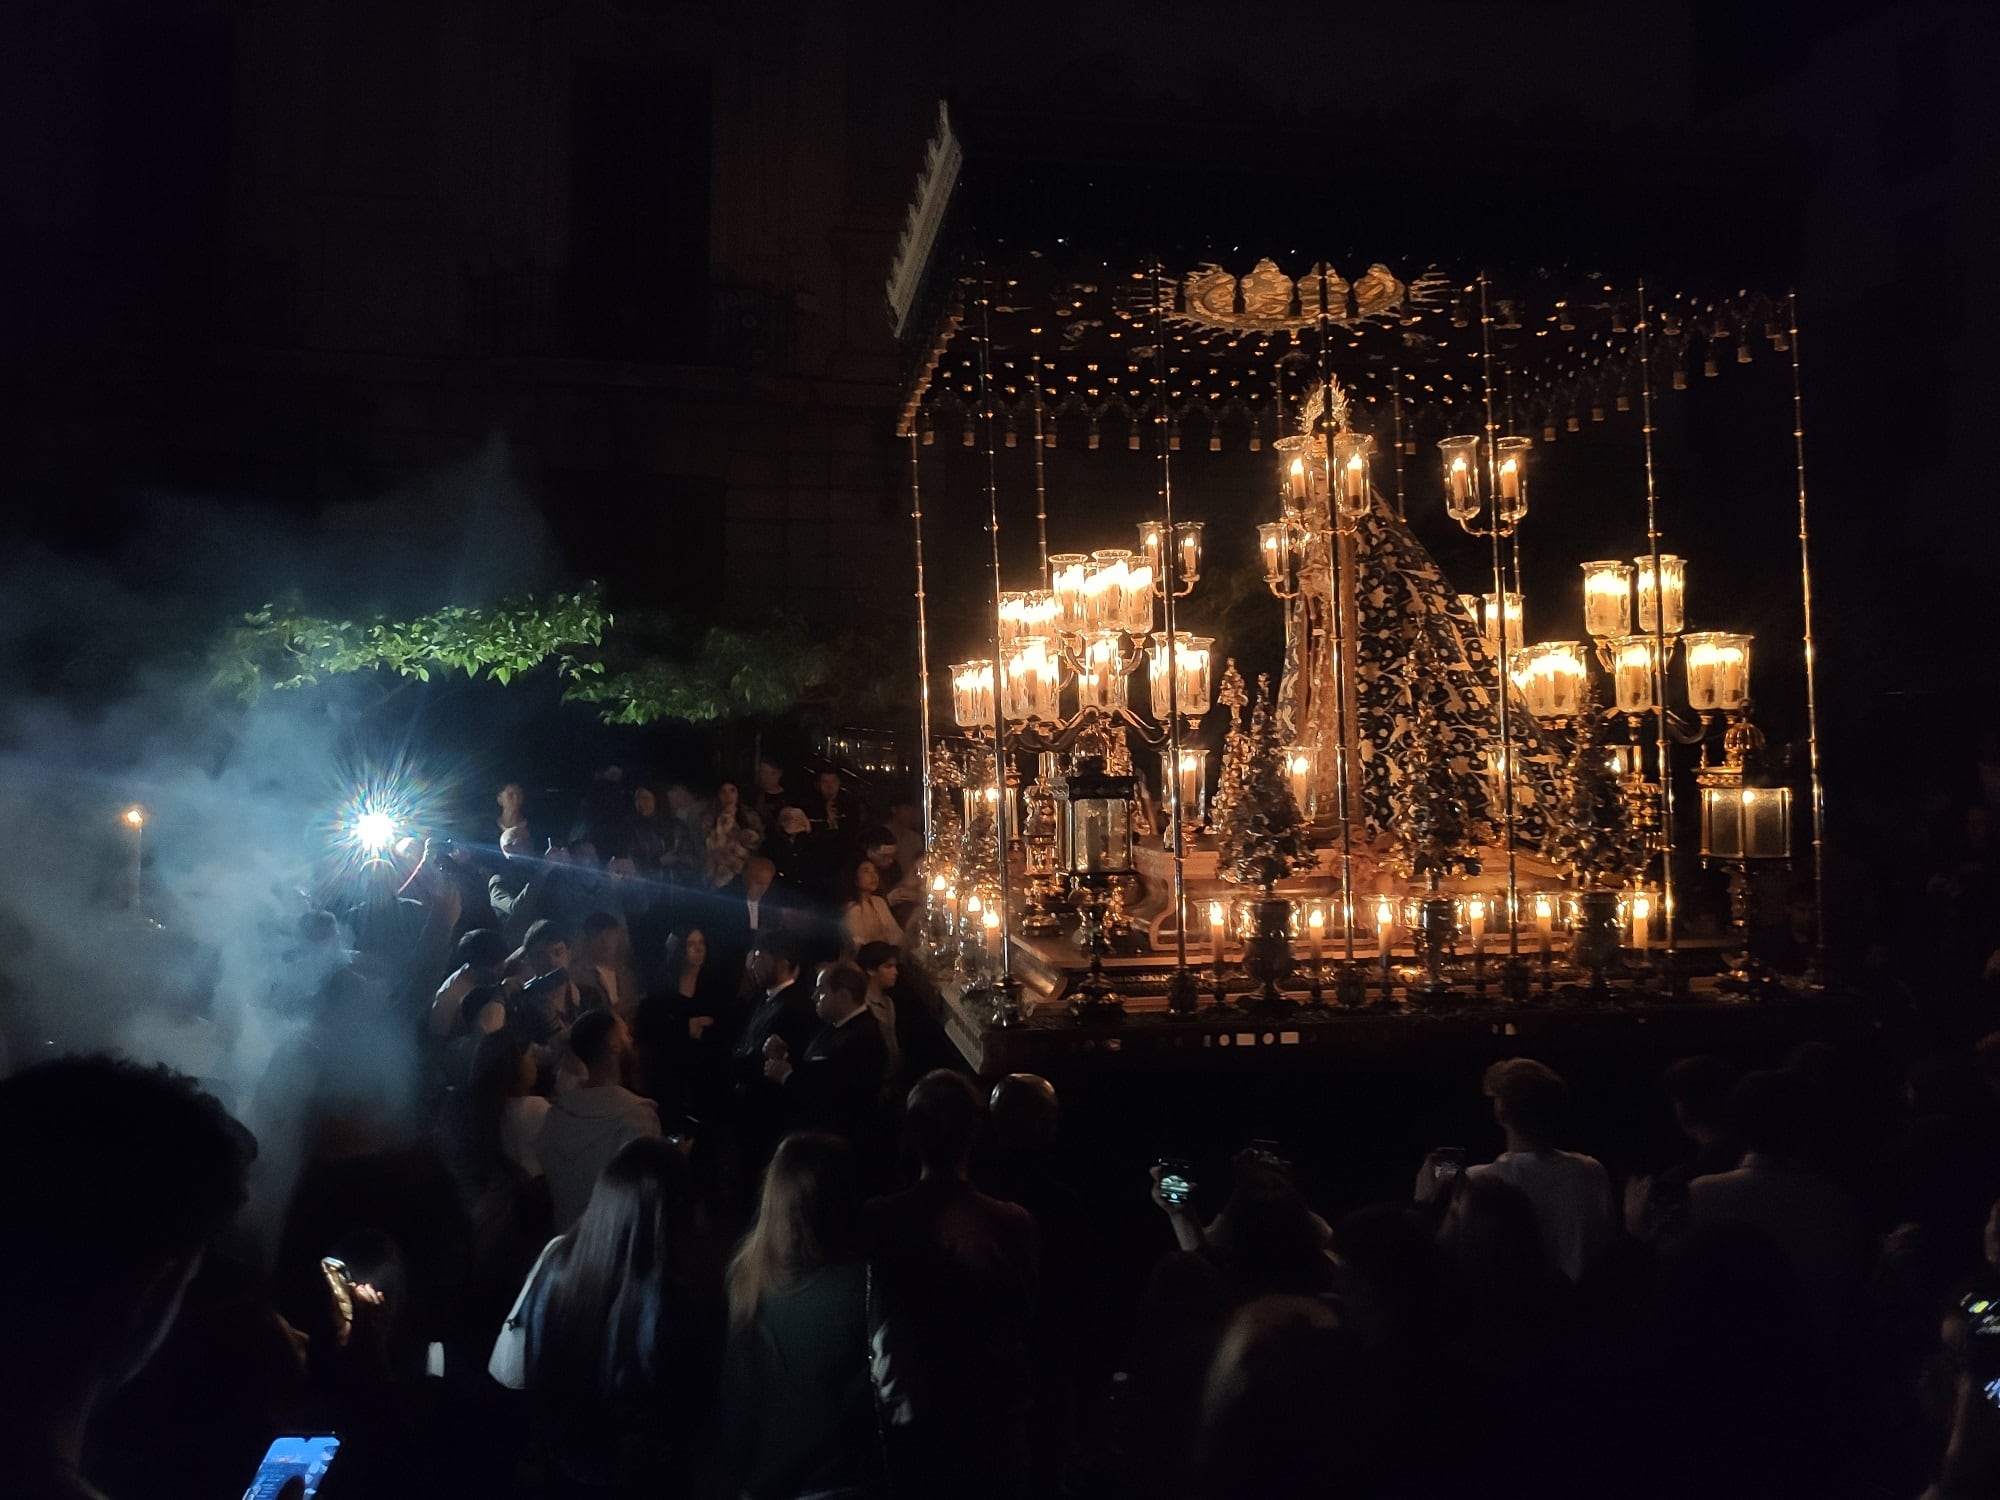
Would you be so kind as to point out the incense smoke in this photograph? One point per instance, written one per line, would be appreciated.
(109, 704)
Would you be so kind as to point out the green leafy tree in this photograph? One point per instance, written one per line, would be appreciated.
(638, 669)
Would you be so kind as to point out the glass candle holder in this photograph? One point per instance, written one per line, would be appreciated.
(1550, 676)
(1067, 572)
(1274, 544)
(1718, 671)
(1031, 685)
(1673, 573)
(1153, 550)
(1746, 822)
(1187, 553)
(1461, 476)
(1510, 477)
(1100, 684)
(1105, 588)
(1191, 658)
(972, 694)
(1302, 768)
(1607, 599)
(1187, 786)
(1301, 471)
(1351, 452)
(1497, 619)
(1013, 605)
(1632, 673)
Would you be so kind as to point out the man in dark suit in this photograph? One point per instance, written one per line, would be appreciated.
(753, 906)
(781, 1008)
(834, 1083)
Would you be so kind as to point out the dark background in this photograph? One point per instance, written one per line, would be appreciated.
(614, 271)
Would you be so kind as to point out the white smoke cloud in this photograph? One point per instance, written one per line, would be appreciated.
(105, 704)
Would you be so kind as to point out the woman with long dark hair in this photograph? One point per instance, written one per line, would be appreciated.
(675, 1028)
(608, 1353)
(865, 916)
(804, 1361)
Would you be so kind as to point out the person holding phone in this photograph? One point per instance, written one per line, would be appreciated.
(119, 1178)
(1570, 1191)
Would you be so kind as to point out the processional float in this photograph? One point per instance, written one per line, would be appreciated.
(1417, 804)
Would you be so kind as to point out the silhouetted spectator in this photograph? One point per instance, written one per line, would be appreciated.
(966, 1269)
(1571, 1194)
(117, 1179)
(587, 1125)
(612, 1358)
(808, 1358)
(1804, 1215)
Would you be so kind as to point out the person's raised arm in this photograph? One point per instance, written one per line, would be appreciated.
(1188, 1233)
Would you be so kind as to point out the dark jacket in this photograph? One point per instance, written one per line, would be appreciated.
(787, 1014)
(798, 1407)
(836, 1082)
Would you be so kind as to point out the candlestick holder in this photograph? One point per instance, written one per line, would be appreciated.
(1267, 953)
(1437, 921)
(1183, 994)
(1388, 996)
(1096, 1003)
(1516, 980)
(1007, 1011)
(1350, 985)
(1315, 990)
(1479, 975)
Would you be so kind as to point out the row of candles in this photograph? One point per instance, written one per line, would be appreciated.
(1387, 914)
(1035, 670)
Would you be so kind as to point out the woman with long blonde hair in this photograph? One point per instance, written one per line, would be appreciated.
(804, 1360)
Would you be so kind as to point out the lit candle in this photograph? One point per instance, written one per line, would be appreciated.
(1295, 481)
(1461, 481)
(1475, 919)
(1316, 928)
(1510, 479)
(1068, 571)
(1299, 763)
(1218, 931)
(1641, 908)
(1385, 925)
(1545, 920)
(991, 921)
(1355, 478)
(1152, 541)
(1190, 540)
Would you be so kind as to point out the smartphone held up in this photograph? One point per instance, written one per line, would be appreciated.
(304, 1459)
(1176, 1178)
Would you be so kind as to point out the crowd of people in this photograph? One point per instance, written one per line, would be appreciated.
(685, 1193)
